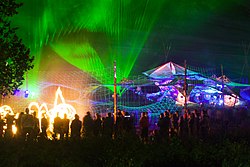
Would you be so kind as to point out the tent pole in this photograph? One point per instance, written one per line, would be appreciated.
(222, 89)
(115, 94)
(185, 85)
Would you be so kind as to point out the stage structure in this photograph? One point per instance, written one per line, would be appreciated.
(201, 89)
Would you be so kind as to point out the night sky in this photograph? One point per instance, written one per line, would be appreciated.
(204, 36)
(140, 34)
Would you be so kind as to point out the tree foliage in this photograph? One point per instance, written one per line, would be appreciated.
(15, 59)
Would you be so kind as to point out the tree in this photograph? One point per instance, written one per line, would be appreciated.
(15, 59)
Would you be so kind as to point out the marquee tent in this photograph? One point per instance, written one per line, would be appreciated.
(168, 71)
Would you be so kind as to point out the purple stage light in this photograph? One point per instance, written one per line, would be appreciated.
(26, 93)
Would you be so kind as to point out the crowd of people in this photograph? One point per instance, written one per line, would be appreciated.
(188, 123)
(29, 127)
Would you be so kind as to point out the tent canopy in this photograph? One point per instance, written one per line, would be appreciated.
(168, 71)
(230, 83)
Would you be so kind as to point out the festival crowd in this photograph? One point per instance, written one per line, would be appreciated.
(188, 123)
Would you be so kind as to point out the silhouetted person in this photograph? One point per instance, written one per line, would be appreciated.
(183, 127)
(88, 125)
(128, 123)
(192, 125)
(58, 127)
(2, 123)
(19, 125)
(108, 125)
(27, 124)
(36, 128)
(97, 125)
(197, 122)
(144, 125)
(166, 124)
(160, 124)
(9, 121)
(118, 129)
(75, 127)
(44, 126)
(175, 120)
(65, 127)
(204, 125)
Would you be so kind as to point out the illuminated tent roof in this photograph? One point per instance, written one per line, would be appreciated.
(168, 71)
(230, 83)
(240, 89)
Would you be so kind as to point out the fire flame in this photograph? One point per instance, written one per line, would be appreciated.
(58, 108)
